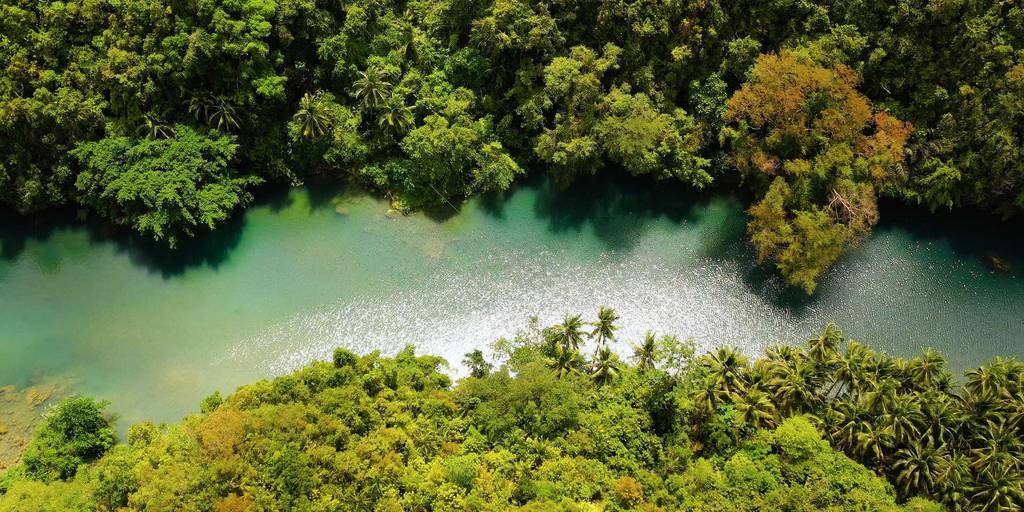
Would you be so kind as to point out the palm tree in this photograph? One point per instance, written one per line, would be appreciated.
(784, 353)
(604, 327)
(569, 334)
(824, 349)
(940, 417)
(796, 387)
(645, 355)
(223, 116)
(953, 474)
(728, 369)
(873, 442)
(928, 369)
(199, 105)
(396, 117)
(372, 86)
(902, 414)
(605, 367)
(919, 467)
(1014, 407)
(755, 408)
(217, 111)
(998, 442)
(565, 362)
(984, 381)
(980, 408)
(154, 127)
(881, 392)
(852, 419)
(313, 116)
(998, 487)
(855, 369)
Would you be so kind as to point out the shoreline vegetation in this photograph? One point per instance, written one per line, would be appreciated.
(554, 419)
(163, 116)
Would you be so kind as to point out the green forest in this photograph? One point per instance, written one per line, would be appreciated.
(552, 419)
(163, 115)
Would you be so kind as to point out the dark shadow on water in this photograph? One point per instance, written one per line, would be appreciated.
(16, 231)
(619, 209)
(445, 211)
(322, 192)
(209, 249)
(971, 234)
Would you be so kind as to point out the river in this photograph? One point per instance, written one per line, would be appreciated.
(309, 269)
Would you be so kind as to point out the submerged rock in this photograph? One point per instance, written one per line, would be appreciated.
(998, 264)
(21, 411)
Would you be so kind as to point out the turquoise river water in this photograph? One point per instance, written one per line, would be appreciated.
(309, 269)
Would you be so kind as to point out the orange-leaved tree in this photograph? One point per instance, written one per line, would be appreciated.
(800, 130)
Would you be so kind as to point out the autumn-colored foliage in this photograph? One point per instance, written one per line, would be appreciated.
(829, 152)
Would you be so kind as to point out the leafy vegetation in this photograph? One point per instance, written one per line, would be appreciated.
(820, 105)
(544, 427)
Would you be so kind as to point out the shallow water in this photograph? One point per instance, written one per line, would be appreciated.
(307, 270)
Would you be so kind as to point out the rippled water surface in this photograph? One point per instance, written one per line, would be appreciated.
(311, 269)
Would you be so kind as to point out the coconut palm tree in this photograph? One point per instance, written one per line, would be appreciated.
(727, 369)
(645, 355)
(605, 367)
(824, 349)
(880, 392)
(918, 467)
(999, 442)
(874, 442)
(604, 327)
(372, 86)
(396, 117)
(796, 387)
(1014, 407)
(997, 488)
(155, 127)
(314, 115)
(902, 414)
(940, 417)
(980, 408)
(952, 481)
(928, 369)
(763, 371)
(852, 419)
(566, 362)
(569, 334)
(855, 368)
(984, 380)
(784, 353)
(755, 408)
(217, 111)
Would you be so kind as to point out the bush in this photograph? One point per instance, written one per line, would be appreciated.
(73, 433)
(343, 358)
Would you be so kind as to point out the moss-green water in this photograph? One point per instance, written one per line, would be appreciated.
(305, 271)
